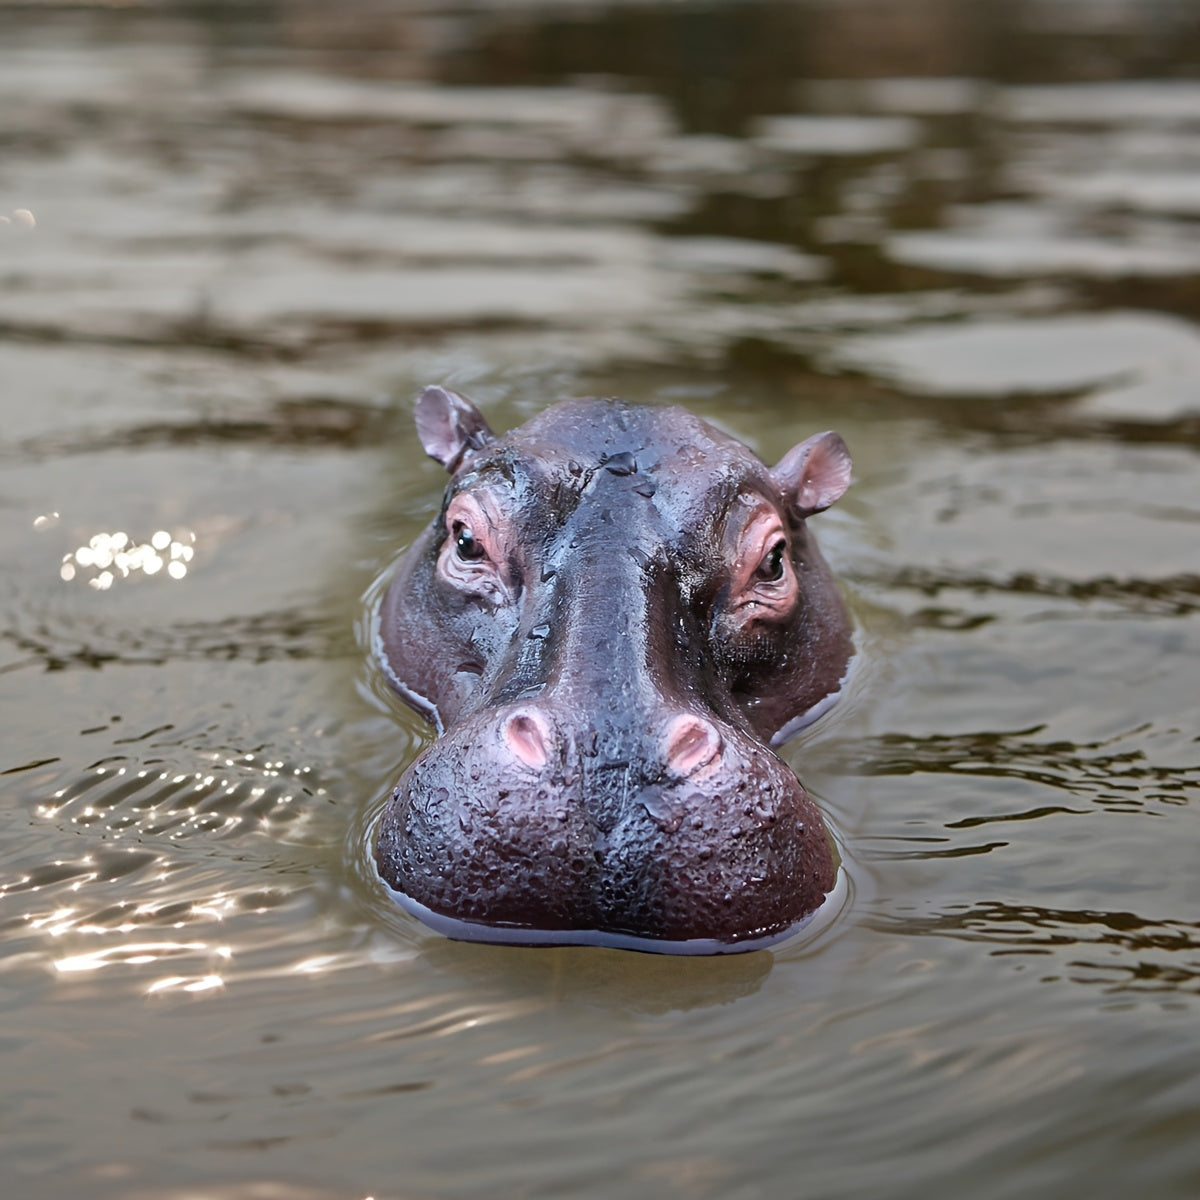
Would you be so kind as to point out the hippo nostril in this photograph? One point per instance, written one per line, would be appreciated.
(691, 743)
(527, 735)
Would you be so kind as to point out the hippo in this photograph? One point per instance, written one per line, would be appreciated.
(617, 612)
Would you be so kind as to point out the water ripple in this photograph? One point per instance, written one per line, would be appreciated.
(1115, 950)
(90, 642)
(1114, 773)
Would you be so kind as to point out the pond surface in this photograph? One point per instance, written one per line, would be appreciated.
(235, 240)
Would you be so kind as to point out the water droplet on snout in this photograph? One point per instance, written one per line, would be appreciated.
(621, 464)
(661, 811)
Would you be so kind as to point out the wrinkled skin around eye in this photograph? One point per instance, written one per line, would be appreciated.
(474, 557)
(763, 583)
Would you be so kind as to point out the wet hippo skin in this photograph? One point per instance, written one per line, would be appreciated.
(617, 611)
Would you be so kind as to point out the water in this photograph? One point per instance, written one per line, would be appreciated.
(966, 237)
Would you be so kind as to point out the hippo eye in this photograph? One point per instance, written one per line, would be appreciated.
(467, 546)
(770, 570)
(763, 584)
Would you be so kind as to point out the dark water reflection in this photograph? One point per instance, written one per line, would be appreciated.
(234, 238)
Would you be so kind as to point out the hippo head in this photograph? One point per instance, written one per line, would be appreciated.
(617, 609)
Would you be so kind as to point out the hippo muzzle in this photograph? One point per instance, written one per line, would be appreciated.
(578, 848)
(616, 609)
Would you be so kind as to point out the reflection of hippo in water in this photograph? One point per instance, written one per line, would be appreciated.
(616, 609)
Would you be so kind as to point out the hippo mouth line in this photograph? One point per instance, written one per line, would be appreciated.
(499, 934)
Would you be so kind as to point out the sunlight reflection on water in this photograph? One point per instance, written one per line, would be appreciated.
(117, 556)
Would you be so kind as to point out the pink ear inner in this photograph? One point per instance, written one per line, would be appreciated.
(815, 474)
(449, 425)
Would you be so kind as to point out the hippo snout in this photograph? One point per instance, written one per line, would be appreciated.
(519, 824)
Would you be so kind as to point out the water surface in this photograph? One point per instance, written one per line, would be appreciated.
(234, 240)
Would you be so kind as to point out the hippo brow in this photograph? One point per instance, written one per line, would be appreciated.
(519, 473)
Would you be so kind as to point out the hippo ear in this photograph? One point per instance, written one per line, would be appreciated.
(814, 474)
(450, 426)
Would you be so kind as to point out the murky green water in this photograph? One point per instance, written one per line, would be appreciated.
(236, 239)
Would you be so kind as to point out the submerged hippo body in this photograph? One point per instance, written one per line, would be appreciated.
(615, 612)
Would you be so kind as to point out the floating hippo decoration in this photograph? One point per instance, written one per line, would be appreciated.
(616, 610)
